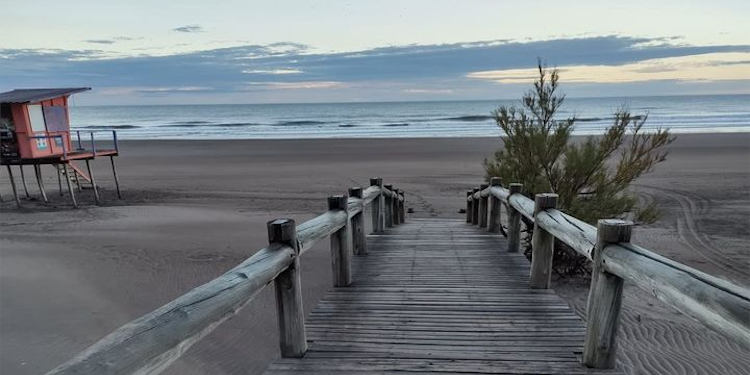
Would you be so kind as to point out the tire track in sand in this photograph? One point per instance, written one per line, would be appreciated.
(688, 230)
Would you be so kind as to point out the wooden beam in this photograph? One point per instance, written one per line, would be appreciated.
(388, 205)
(114, 174)
(288, 287)
(23, 181)
(395, 201)
(149, 344)
(70, 186)
(39, 182)
(341, 258)
(514, 220)
(378, 207)
(357, 221)
(717, 303)
(494, 223)
(605, 299)
(93, 182)
(483, 201)
(13, 185)
(469, 206)
(475, 206)
(542, 246)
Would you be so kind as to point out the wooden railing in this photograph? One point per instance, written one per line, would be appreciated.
(152, 342)
(717, 303)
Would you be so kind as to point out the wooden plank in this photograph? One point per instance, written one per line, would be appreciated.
(436, 295)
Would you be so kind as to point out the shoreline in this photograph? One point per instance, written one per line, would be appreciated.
(207, 139)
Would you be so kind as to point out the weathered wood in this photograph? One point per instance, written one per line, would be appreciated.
(341, 255)
(370, 194)
(23, 181)
(605, 299)
(66, 173)
(114, 174)
(359, 243)
(59, 180)
(523, 205)
(577, 234)
(514, 219)
(13, 185)
(483, 201)
(39, 182)
(388, 205)
(720, 305)
(475, 205)
(499, 192)
(378, 206)
(288, 288)
(437, 297)
(396, 203)
(402, 208)
(494, 223)
(93, 182)
(320, 227)
(150, 343)
(542, 245)
(469, 206)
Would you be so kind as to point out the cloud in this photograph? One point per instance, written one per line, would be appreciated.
(100, 41)
(189, 29)
(296, 85)
(272, 71)
(472, 68)
(427, 91)
(706, 67)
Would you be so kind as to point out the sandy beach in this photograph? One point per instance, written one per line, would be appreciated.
(194, 209)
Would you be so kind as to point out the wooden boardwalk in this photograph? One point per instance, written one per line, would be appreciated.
(438, 295)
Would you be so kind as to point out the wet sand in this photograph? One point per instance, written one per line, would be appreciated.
(194, 209)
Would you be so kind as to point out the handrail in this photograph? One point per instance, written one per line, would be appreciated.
(152, 342)
(149, 344)
(721, 305)
(718, 303)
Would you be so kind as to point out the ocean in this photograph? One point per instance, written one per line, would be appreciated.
(681, 114)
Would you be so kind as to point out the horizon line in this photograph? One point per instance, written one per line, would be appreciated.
(412, 101)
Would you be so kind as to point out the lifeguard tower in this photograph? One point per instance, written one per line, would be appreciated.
(35, 130)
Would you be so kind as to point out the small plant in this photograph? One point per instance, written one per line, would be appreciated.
(592, 176)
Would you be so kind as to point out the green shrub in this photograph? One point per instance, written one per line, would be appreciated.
(591, 175)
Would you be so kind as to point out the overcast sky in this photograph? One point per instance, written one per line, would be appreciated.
(187, 52)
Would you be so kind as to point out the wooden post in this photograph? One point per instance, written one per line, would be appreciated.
(388, 206)
(396, 217)
(542, 245)
(23, 181)
(93, 182)
(483, 207)
(359, 242)
(70, 186)
(13, 185)
(605, 299)
(401, 210)
(289, 309)
(114, 173)
(514, 221)
(378, 207)
(469, 206)
(75, 176)
(475, 207)
(59, 179)
(341, 258)
(494, 223)
(39, 182)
